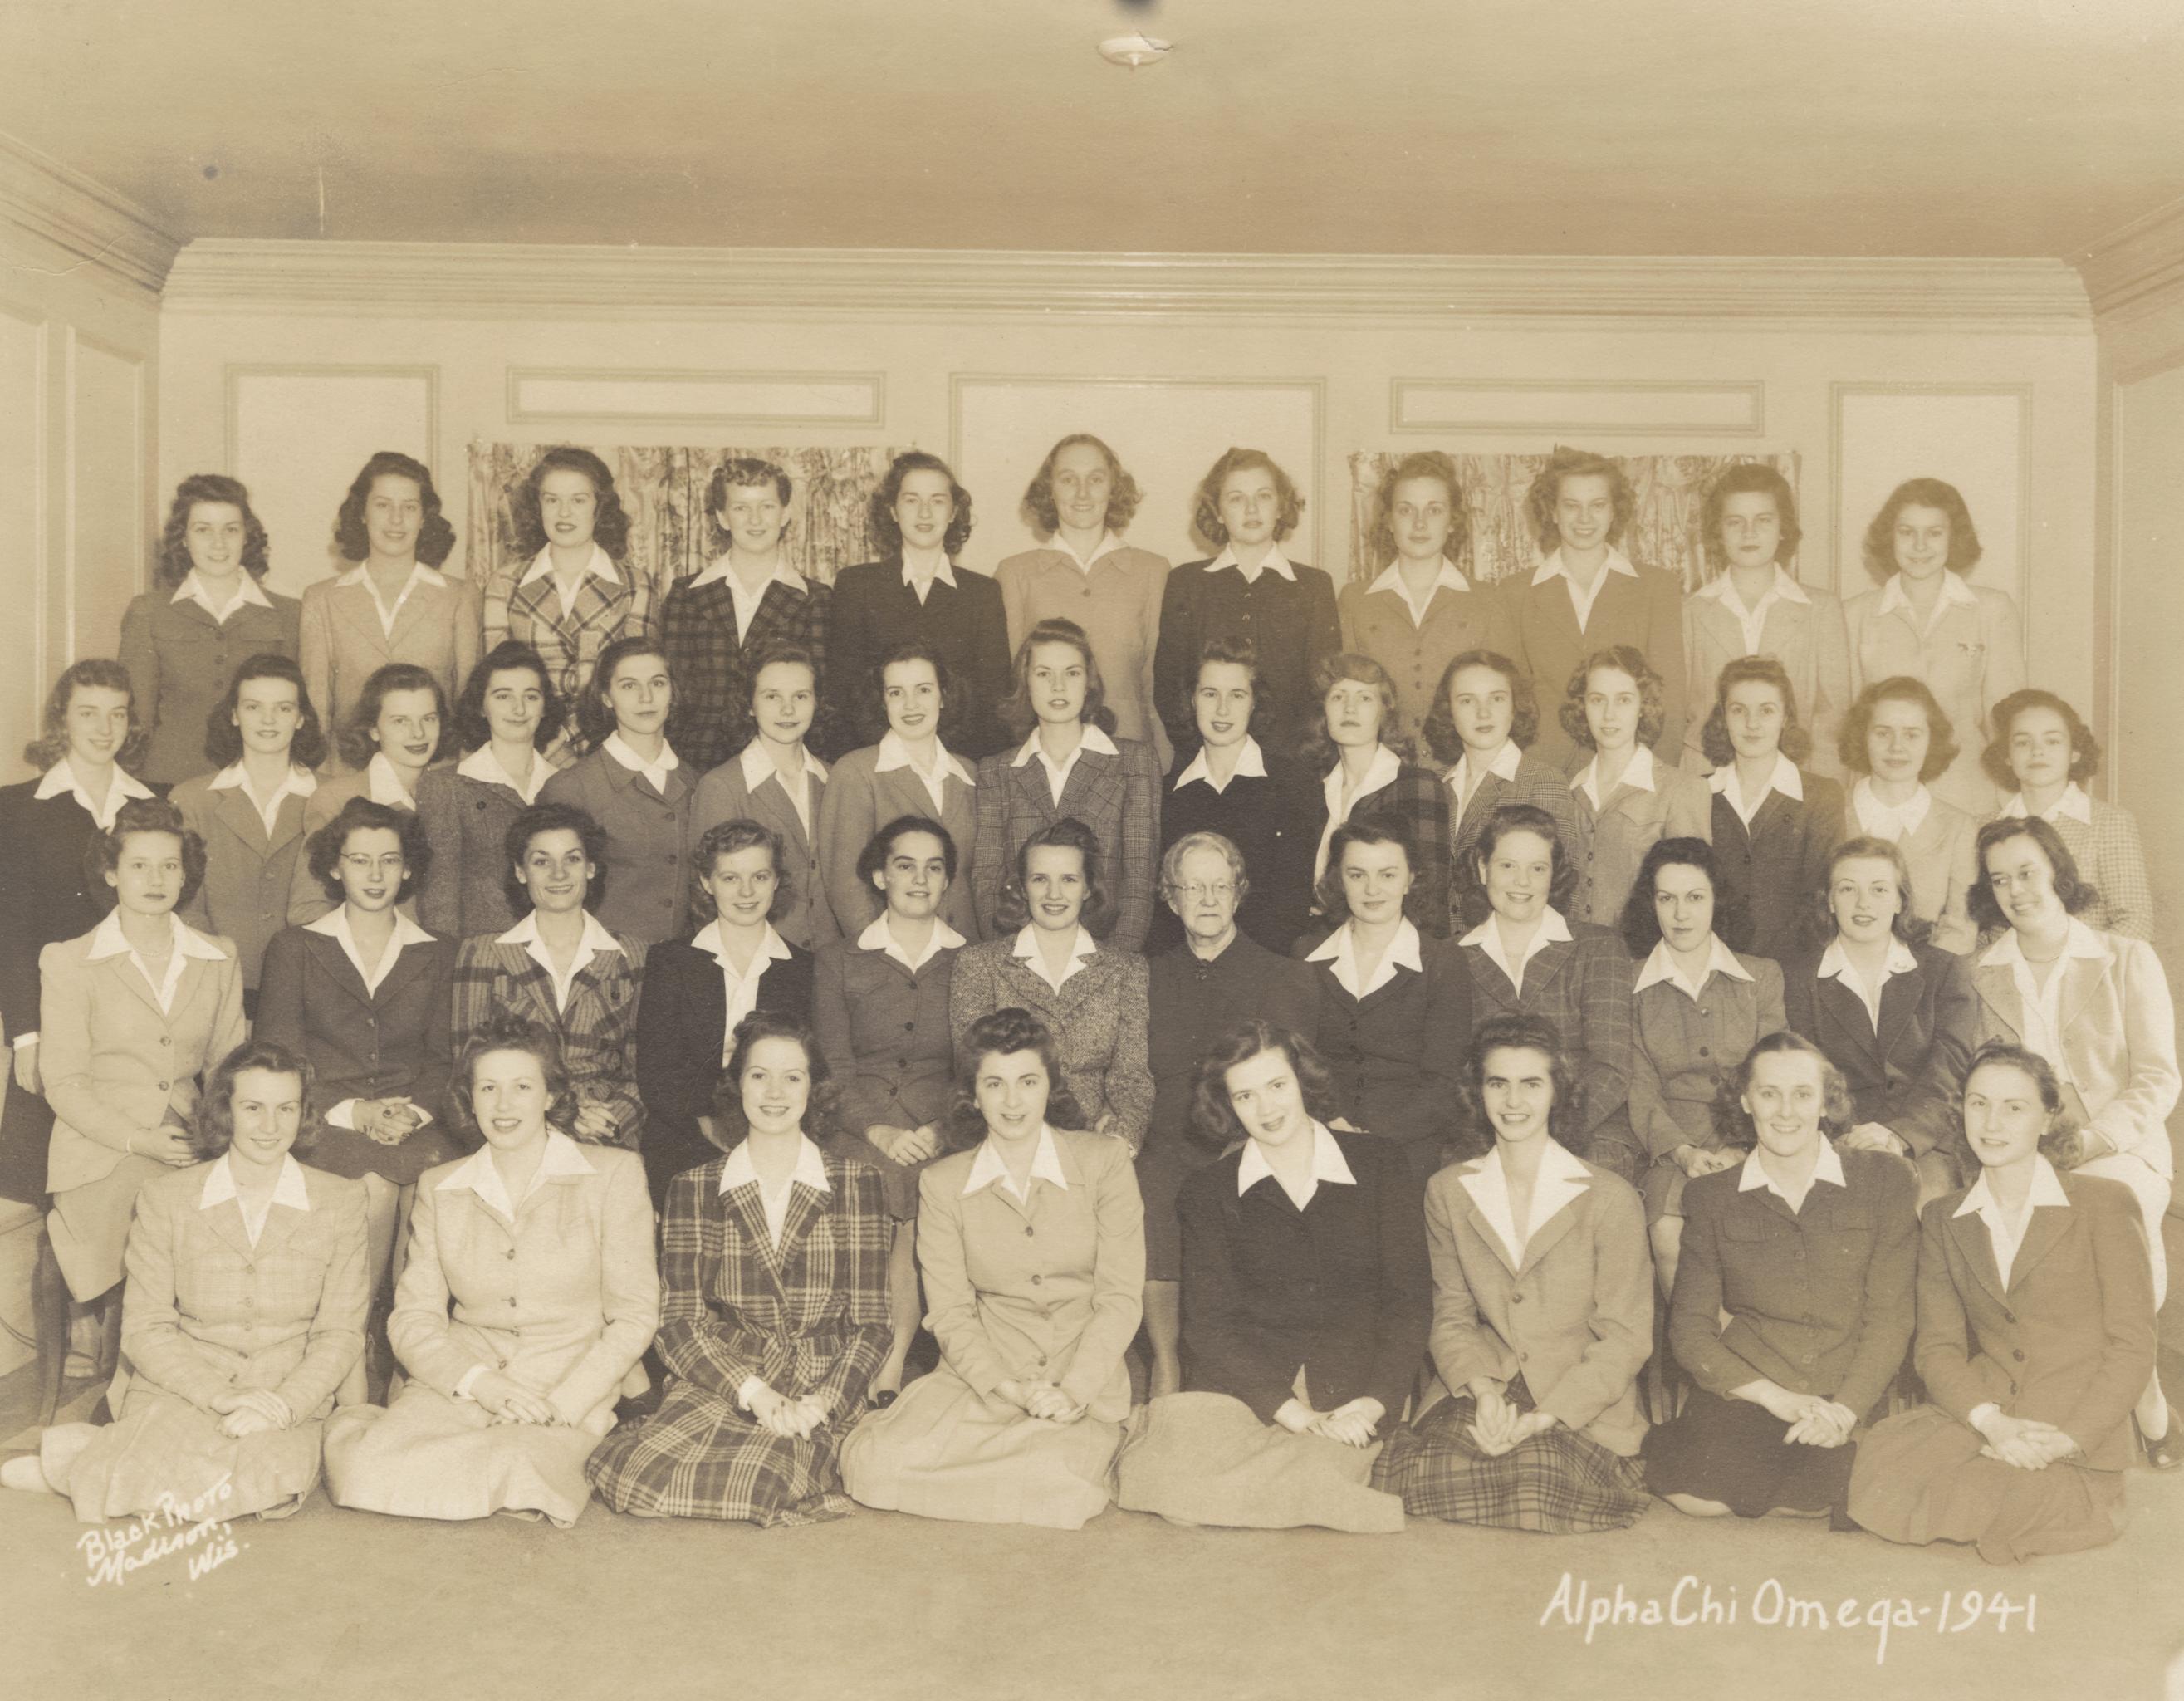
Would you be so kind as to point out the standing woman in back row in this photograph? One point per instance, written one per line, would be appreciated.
(182, 642)
(394, 605)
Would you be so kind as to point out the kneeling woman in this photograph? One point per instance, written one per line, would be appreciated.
(1031, 1238)
(1809, 1250)
(774, 1316)
(2036, 1336)
(1544, 1431)
(243, 1311)
(529, 1294)
(1305, 1306)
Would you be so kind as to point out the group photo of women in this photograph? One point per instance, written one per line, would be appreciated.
(1197, 1038)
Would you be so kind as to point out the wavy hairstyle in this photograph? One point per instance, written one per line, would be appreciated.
(1904, 925)
(552, 817)
(223, 743)
(436, 537)
(1546, 491)
(1316, 749)
(102, 853)
(1796, 743)
(1229, 651)
(1015, 711)
(1003, 1033)
(1857, 727)
(174, 558)
(595, 716)
(2085, 748)
(472, 731)
(743, 473)
(1205, 503)
(323, 850)
(1068, 834)
(1472, 903)
(356, 738)
(2059, 1134)
(504, 1031)
(871, 707)
(880, 846)
(1747, 478)
(1652, 699)
(1879, 546)
(1380, 528)
(887, 530)
(1520, 1030)
(1640, 923)
(1370, 829)
(2073, 891)
(820, 1109)
(1439, 732)
(212, 1127)
(610, 523)
(726, 838)
(742, 718)
(97, 673)
(1732, 1124)
(1213, 1119)
(1037, 510)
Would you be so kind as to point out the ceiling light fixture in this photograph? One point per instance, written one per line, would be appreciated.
(1134, 51)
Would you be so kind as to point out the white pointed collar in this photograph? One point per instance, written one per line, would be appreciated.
(2080, 942)
(618, 747)
(1327, 1164)
(1722, 589)
(1638, 775)
(563, 1157)
(106, 939)
(894, 753)
(1251, 764)
(121, 789)
(482, 765)
(757, 764)
(1108, 544)
(383, 784)
(334, 925)
(1561, 1177)
(1093, 737)
(1894, 821)
(1954, 591)
(1552, 929)
(723, 567)
(2072, 805)
(1464, 778)
(708, 939)
(880, 937)
(1340, 949)
(288, 1189)
(989, 1166)
(1785, 779)
(1275, 562)
(1553, 567)
(1661, 966)
(811, 1166)
(247, 590)
(1827, 1167)
(599, 567)
(945, 574)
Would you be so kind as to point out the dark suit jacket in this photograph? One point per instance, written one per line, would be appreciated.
(648, 841)
(1292, 624)
(392, 1043)
(44, 897)
(874, 610)
(1341, 1287)
(1906, 1075)
(710, 718)
(1254, 815)
(1646, 613)
(885, 1035)
(1772, 872)
(1194, 1003)
(1397, 1053)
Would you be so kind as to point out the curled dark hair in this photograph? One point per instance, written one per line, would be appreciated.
(1904, 925)
(504, 1031)
(223, 745)
(1904, 687)
(473, 730)
(1068, 834)
(1640, 923)
(212, 1128)
(820, 1110)
(1037, 510)
(595, 717)
(1317, 750)
(1922, 493)
(1002, 1033)
(1380, 531)
(1747, 478)
(726, 838)
(1230, 651)
(873, 725)
(1652, 704)
(1213, 1118)
(1015, 712)
(323, 852)
(880, 846)
(1370, 828)
(552, 817)
(2008, 1054)
(1439, 731)
(742, 719)
(610, 523)
(1546, 491)
(887, 530)
(2072, 890)
(1471, 899)
(743, 473)
(1522, 1031)
(1206, 505)
(174, 563)
(102, 854)
(95, 673)
(1732, 1122)
(358, 738)
(1796, 743)
(436, 537)
(2085, 748)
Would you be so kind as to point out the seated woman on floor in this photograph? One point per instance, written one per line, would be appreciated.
(244, 1310)
(1031, 1238)
(1305, 1306)
(774, 1272)
(530, 1293)
(1545, 1429)
(2035, 1337)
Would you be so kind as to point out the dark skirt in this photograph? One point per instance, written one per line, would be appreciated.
(344, 1151)
(1163, 1166)
(1557, 1483)
(26, 1134)
(898, 1180)
(700, 1456)
(1733, 1452)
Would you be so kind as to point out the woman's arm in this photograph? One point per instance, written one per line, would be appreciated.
(307, 896)
(1659, 1132)
(2134, 1120)
(863, 1238)
(1464, 1345)
(951, 1301)
(849, 816)
(1943, 1359)
(140, 655)
(1922, 1112)
(1664, 649)
(1887, 1306)
(1126, 1083)
(1405, 1313)
(1695, 1308)
(1953, 927)
(629, 1292)
(1175, 658)
(440, 894)
(1690, 812)
(1606, 1040)
(694, 1342)
(1140, 862)
(2126, 1319)
(970, 994)
(989, 866)
(152, 1331)
(316, 644)
(1118, 1277)
(230, 1027)
(830, 1016)
(2119, 863)
(2004, 670)
(470, 623)
(64, 1053)
(336, 1338)
(418, 1328)
(1428, 809)
(1214, 1319)
(1622, 1320)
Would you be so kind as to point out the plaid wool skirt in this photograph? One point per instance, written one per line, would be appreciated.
(1557, 1483)
(700, 1456)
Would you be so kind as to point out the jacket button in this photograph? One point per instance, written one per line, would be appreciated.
(1027, 1236)
(2009, 1317)
(165, 1040)
(511, 1252)
(1516, 1299)
(2018, 1353)
(1035, 1281)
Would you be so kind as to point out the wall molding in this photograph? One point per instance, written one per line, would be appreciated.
(83, 218)
(1633, 407)
(2138, 269)
(506, 281)
(234, 375)
(681, 395)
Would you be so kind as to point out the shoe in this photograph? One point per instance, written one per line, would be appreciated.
(2168, 1453)
(884, 1398)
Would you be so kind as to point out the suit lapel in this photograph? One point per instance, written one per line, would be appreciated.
(1899, 997)
(2042, 1233)
(126, 972)
(1485, 1229)
(1977, 1250)
(336, 963)
(236, 812)
(1549, 1232)
(408, 964)
(1549, 603)
(1091, 782)
(2081, 979)
(1997, 990)
(225, 1220)
(424, 607)
(282, 1222)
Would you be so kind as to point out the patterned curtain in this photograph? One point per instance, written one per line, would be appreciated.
(663, 491)
(1664, 534)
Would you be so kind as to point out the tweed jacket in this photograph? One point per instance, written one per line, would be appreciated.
(1193, 1002)
(1943, 855)
(809, 1317)
(1538, 782)
(1098, 1020)
(1050, 1289)
(597, 1031)
(307, 893)
(2112, 859)
(1573, 1316)
(1820, 1300)
(1397, 1053)
(1612, 840)
(885, 1035)
(681, 1037)
(2119, 1040)
(1971, 658)
(858, 801)
(1340, 1288)
(466, 823)
(205, 1312)
(1905, 1074)
(45, 896)
(393, 1043)
(1773, 872)
(563, 1299)
(1119, 604)
(343, 644)
(711, 666)
(248, 876)
(1378, 623)
(2070, 1341)
(1583, 985)
(1417, 800)
(803, 918)
(569, 640)
(181, 661)
(1118, 797)
(1684, 1050)
(1646, 613)
(1291, 623)
(874, 610)
(649, 842)
(115, 1066)
(1810, 641)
